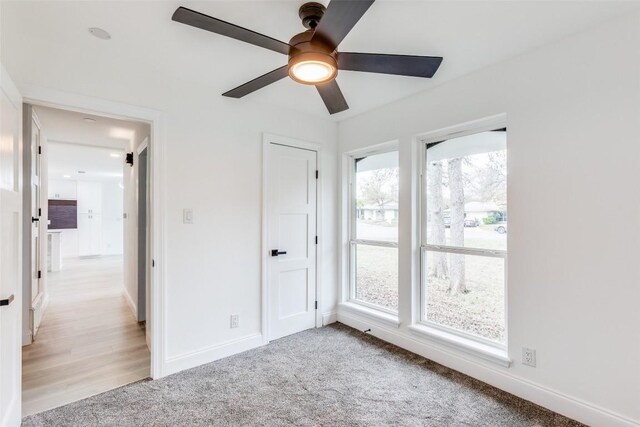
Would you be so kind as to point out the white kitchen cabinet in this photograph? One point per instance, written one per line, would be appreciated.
(65, 190)
(89, 234)
(89, 197)
(89, 218)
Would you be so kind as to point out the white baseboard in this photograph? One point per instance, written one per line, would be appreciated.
(329, 317)
(45, 304)
(561, 403)
(132, 305)
(210, 354)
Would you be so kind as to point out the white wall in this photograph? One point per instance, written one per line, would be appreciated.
(213, 152)
(573, 112)
(214, 166)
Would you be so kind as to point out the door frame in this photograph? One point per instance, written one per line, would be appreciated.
(7, 88)
(39, 96)
(30, 119)
(267, 139)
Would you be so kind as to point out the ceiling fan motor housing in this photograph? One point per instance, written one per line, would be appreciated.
(303, 50)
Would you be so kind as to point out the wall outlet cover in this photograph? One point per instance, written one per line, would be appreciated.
(235, 320)
(529, 357)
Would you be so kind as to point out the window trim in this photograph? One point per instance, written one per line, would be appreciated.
(456, 337)
(352, 240)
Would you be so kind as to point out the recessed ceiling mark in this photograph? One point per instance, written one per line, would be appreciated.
(100, 33)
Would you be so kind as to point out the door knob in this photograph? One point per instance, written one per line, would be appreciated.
(275, 252)
(6, 301)
(34, 219)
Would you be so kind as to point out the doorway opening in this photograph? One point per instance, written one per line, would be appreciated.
(86, 260)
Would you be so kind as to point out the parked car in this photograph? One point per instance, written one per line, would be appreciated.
(472, 222)
(501, 228)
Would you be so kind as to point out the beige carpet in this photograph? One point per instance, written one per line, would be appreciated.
(334, 376)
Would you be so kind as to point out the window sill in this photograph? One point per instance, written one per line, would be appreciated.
(387, 318)
(483, 351)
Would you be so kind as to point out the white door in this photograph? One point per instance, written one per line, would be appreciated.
(36, 294)
(291, 238)
(10, 252)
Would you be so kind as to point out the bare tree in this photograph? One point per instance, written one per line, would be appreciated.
(488, 179)
(381, 187)
(435, 206)
(456, 188)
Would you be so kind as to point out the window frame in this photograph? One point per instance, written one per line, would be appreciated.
(470, 128)
(353, 240)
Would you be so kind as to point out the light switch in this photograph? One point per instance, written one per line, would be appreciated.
(187, 216)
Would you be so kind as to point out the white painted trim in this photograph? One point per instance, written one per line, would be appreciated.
(85, 104)
(212, 353)
(348, 232)
(370, 150)
(487, 352)
(329, 318)
(267, 139)
(143, 145)
(13, 414)
(561, 403)
(456, 131)
(463, 341)
(373, 314)
(132, 306)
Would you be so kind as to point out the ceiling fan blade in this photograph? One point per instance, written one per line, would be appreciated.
(402, 65)
(206, 22)
(339, 18)
(332, 96)
(258, 82)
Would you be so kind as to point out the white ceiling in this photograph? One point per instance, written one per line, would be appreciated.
(74, 144)
(149, 54)
(66, 160)
(69, 126)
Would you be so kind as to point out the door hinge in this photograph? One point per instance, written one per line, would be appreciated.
(39, 149)
(39, 211)
(316, 240)
(39, 274)
(153, 263)
(317, 173)
(316, 305)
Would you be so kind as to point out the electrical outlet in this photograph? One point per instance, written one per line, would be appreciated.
(529, 356)
(235, 320)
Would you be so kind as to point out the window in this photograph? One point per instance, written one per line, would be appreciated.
(464, 235)
(374, 231)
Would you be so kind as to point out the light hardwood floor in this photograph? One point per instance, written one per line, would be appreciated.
(89, 341)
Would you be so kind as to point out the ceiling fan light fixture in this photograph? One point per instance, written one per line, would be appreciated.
(313, 68)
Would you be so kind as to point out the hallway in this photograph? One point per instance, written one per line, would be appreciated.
(89, 341)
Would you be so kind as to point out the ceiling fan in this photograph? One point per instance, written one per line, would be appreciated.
(313, 58)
